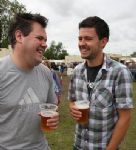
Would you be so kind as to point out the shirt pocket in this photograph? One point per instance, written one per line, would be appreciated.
(102, 98)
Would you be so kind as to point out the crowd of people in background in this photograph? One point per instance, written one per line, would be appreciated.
(132, 67)
(68, 68)
(56, 78)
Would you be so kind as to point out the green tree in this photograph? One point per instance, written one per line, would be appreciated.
(7, 10)
(56, 51)
(133, 54)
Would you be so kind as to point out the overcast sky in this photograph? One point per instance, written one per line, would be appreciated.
(64, 16)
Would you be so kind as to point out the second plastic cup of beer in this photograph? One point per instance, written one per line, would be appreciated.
(46, 112)
(83, 106)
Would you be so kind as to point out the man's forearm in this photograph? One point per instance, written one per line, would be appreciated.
(119, 131)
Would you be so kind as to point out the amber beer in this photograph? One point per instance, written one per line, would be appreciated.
(47, 110)
(44, 117)
(83, 106)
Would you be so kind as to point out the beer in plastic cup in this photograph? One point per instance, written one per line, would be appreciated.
(83, 106)
(47, 111)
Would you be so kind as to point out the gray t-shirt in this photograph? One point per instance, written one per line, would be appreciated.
(21, 92)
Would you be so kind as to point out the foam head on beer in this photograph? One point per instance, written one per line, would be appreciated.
(48, 106)
(83, 104)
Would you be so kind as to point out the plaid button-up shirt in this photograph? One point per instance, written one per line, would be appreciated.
(111, 90)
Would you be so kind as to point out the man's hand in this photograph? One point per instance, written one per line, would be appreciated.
(76, 114)
(54, 121)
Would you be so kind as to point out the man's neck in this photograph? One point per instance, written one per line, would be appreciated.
(20, 62)
(95, 62)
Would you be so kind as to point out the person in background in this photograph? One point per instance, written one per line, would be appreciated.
(56, 80)
(62, 69)
(106, 84)
(54, 66)
(24, 84)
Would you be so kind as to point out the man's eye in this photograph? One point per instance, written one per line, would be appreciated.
(39, 38)
(80, 39)
(88, 38)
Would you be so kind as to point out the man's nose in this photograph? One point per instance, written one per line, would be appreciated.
(44, 44)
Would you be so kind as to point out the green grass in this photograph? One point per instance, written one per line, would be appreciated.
(63, 137)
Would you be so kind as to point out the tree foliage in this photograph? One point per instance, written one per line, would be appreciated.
(7, 10)
(56, 51)
(133, 54)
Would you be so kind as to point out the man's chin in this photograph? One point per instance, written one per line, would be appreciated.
(84, 57)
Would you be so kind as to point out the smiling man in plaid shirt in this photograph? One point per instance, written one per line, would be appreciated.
(107, 84)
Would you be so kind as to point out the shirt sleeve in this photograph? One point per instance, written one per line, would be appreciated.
(124, 89)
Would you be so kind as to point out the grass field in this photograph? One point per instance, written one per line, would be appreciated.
(63, 137)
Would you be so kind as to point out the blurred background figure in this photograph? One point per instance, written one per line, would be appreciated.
(56, 79)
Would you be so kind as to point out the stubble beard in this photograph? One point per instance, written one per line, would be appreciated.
(89, 57)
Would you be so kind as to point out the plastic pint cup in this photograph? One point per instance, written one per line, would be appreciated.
(47, 111)
(83, 106)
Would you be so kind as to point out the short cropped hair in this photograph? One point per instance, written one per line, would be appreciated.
(101, 27)
(23, 22)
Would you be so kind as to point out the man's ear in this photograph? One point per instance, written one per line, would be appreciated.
(104, 42)
(19, 36)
